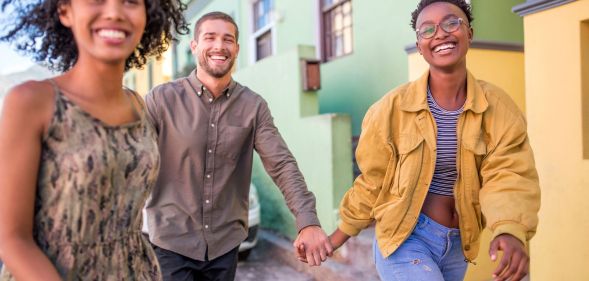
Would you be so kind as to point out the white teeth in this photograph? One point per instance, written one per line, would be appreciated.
(219, 57)
(111, 34)
(444, 47)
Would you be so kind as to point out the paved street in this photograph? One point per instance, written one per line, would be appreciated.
(262, 266)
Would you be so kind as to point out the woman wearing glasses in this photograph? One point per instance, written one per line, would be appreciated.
(443, 157)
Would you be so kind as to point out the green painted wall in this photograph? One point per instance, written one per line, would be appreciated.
(350, 84)
(378, 63)
(320, 143)
(494, 21)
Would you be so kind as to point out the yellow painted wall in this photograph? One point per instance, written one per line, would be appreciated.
(560, 250)
(161, 73)
(506, 70)
(502, 68)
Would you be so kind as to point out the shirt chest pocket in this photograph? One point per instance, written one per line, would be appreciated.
(409, 164)
(233, 140)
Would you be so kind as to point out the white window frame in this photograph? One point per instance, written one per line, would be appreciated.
(255, 34)
(319, 29)
(322, 40)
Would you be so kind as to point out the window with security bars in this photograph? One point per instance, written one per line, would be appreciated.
(263, 32)
(336, 34)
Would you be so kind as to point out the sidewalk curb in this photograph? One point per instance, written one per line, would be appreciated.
(330, 270)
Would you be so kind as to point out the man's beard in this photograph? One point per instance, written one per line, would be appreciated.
(218, 72)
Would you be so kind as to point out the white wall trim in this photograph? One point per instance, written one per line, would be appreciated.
(271, 26)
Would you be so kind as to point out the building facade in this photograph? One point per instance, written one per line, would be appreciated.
(557, 103)
(363, 50)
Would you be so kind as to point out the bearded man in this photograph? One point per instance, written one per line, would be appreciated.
(208, 127)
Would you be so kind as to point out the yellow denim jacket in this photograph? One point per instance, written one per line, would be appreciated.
(497, 184)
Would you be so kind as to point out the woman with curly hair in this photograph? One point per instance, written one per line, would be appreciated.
(441, 158)
(78, 156)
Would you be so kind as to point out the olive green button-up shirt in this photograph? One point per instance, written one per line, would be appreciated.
(206, 144)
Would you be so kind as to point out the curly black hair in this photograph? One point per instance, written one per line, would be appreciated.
(35, 30)
(465, 7)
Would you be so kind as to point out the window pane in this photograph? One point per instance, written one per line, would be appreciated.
(262, 10)
(327, 3)
(347, 7)
(338, 41)
(338, 22)
(348, 40)
(264, 45)
(337, 29)
(347, 14)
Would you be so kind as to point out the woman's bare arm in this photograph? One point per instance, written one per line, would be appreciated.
(27, 112)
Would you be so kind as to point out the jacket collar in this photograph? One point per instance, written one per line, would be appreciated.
(415, 98)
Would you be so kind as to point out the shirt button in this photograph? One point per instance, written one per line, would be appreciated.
(210, 151)
(467, 247)
(207, 201)
(208, 176)
(210, 100)
(206, 226)
(212, 125)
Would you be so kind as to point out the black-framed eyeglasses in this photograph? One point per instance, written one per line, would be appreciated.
(428, 30)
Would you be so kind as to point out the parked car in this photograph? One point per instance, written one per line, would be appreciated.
(253, 224)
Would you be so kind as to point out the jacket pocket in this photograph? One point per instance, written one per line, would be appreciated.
(477, 146)
(391, 169)
(409, 164)
(476, 149)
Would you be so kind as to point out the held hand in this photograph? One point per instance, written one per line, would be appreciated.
(514, 264)
(336, 239)
(312, 245)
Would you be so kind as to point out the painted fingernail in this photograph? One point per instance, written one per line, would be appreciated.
(493, 257)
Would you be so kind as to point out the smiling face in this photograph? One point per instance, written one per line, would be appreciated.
(105, 30)
(445, 50)
(215, 48)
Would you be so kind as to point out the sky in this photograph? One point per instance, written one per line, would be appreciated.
(10, 61)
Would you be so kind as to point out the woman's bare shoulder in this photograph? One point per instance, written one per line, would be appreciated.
(33, 99)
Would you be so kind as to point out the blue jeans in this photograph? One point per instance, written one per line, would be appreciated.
(432, 253)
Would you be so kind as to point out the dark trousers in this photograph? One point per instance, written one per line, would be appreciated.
(176, 267)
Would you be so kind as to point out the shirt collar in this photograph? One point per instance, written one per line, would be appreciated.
(415, 98)
(200, 88)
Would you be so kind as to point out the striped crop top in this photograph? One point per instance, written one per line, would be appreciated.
(445, 173)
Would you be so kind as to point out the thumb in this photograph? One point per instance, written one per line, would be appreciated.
(493, 248)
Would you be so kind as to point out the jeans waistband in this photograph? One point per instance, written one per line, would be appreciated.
(425, 221)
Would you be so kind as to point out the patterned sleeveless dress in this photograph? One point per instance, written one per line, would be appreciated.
(92, 184)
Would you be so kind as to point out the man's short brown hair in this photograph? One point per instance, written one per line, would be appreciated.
(215, 16)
